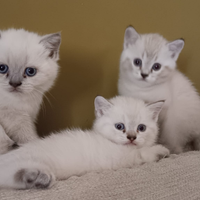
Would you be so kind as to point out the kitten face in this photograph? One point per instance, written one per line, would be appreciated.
(148, 59)
(27, 61)
(127, 121)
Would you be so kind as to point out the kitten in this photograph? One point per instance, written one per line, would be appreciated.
(148, 72)
(28, 68)
(124, 134)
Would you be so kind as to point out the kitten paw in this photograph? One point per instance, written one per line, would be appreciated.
(154, 153)
(33, 178)
(161, 151)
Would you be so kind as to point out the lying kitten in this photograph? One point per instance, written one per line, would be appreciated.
(28, 68)
(148, 71)
(124, 134)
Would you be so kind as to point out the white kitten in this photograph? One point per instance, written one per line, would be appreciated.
(148, 72)
(129, 123)
(28, 68)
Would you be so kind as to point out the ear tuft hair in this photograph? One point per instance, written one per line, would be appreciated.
(52, 43)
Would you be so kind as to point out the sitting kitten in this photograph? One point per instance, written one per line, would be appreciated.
(28, 68)
(148, 72)
(124, 134)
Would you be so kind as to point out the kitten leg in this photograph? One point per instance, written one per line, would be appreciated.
(21, 130)
(25, 133)
(154, 153)
(175, 146)
(6, 143)
(172, 137)
(25, 175)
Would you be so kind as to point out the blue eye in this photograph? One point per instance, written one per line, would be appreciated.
(137, 62)
(119, 126)
(3, 68)
(29, 71)
(141, 128)
(156, 67)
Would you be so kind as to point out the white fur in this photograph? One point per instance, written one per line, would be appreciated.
(180, 117)
(20, 49)
(75, 152)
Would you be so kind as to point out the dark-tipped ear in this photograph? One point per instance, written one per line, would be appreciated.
(130, 36)
(101, 106)
(155, 108)
(175, 48)
(52, 44)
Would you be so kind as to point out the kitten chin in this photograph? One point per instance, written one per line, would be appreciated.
(148, 72)
(28, 68)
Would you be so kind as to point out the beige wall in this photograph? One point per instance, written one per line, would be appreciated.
(92, 37)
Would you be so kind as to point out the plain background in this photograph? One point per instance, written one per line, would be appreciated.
(92, 40)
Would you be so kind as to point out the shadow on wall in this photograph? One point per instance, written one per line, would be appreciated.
(73, 94)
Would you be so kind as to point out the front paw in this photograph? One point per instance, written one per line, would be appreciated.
(154, 153)
(160, 152)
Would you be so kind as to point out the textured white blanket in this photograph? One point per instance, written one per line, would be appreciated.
(174, 178)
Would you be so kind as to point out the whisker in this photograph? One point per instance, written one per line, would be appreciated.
(45, 96)
(50, 94)
(42, 103)
(28, 88)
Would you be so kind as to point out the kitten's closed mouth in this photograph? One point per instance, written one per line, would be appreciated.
(131, 143)
(15, 90)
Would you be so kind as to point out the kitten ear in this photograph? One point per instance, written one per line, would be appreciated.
(101, 106)
(155, 108)
(175, 48)
(52, 44)
(130, 36)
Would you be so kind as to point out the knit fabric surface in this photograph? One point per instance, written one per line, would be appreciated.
(174, 178)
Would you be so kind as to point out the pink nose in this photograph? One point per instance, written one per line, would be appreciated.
(131, 137)
(15, 84)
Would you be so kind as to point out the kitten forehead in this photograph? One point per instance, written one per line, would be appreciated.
(128, 105)
(126, 101)
(152, 44)
(18, 37)
(21, 46)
